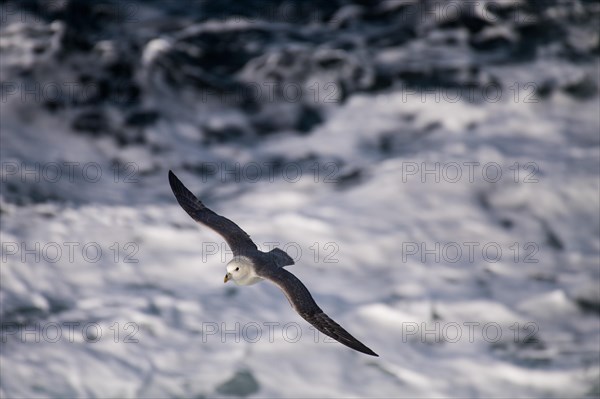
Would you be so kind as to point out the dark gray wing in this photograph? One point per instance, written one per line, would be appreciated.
(239, 241)
(301, 300)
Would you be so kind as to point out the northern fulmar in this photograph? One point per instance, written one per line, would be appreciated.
(250, 265)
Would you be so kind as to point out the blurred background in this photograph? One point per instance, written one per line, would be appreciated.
(432, 167)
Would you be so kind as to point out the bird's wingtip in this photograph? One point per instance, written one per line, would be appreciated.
(172, 178)
(174, 182)
(367, 351)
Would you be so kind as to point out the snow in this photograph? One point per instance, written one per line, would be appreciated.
(475, 284)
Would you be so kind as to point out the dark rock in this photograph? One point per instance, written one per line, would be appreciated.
(468, 19)
(553, 240)
(142, 118)
(94, 122)
(491, 40)
(222, 133)
(484, 201)
(583, 89)
(242, 384)
(588, 305)
(349, 179)
(128, 137)
(308, 118)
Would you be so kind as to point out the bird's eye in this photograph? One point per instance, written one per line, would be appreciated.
(237, 268)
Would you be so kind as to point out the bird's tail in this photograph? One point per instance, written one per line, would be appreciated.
(281, 257)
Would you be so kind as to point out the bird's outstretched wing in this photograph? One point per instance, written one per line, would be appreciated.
(301, 300)
(239, 241)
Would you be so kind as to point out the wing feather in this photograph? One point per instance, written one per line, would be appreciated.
(301, 300)
(238, 240)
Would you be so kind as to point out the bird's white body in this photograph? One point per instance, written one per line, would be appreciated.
(241, 271)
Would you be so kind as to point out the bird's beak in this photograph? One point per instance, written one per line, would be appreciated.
(227, 278)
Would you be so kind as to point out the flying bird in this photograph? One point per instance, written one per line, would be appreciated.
(250, 266)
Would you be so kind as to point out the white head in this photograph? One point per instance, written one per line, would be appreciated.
(241, 271)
